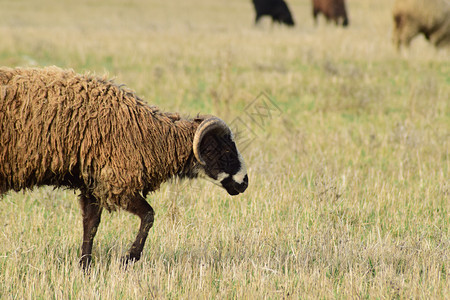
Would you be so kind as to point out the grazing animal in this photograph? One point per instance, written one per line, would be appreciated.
(332, 10)
(428, 17)
(277, 9)
(63, 129)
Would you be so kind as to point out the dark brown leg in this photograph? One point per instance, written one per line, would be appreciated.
(315, 13)
(91, 219)
(140, 207)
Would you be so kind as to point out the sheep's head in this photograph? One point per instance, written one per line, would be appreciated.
(219, 160)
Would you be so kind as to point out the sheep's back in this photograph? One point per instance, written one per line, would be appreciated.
(427, 11)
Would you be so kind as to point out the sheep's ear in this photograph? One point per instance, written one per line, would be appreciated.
(211, 125)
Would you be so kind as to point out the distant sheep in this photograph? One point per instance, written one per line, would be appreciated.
(413, 17)
(332, 10)
(63, 129)
(277, 9)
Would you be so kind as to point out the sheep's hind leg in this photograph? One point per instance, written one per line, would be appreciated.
(140, 207)
(91, 219)
(315, 14)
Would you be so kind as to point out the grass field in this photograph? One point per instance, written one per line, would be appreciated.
(349, 193)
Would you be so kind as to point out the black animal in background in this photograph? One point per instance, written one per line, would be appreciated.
(277, 9)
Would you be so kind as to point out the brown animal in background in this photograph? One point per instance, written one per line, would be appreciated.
(332, 10)
(429, 17)
(78, 131)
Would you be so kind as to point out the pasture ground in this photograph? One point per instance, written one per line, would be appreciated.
(349, 173)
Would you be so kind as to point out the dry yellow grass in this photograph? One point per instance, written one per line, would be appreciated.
(349, 185)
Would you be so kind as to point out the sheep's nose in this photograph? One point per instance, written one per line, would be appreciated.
(243, 186)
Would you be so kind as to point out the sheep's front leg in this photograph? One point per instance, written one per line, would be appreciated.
(91, 219)
(140, 207)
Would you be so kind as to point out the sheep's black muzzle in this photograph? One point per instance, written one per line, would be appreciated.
(234, 188)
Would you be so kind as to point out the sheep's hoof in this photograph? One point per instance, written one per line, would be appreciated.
(85, 263)
(129, 259)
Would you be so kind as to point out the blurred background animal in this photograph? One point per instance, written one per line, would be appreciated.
(333, 10)
(277, 9)
(428, 17)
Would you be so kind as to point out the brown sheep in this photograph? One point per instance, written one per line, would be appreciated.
(413, 17)
(86, 133)
(332, 10)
